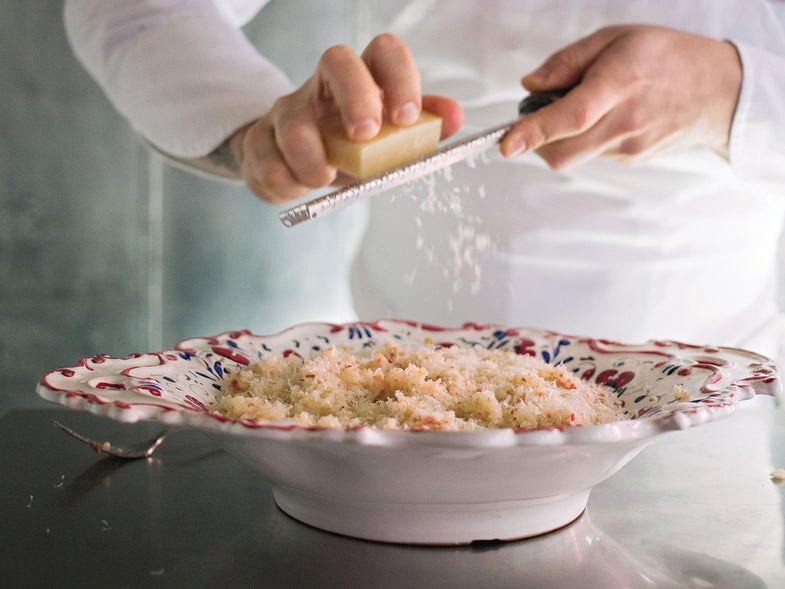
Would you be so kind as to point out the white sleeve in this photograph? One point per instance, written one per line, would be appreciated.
(181, 72)
(757, 142)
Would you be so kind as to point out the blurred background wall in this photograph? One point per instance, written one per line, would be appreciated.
(104, 248)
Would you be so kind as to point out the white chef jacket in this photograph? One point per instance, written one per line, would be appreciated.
(682, 247)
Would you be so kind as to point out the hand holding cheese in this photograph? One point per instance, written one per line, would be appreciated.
(393, 146)
(357, 114)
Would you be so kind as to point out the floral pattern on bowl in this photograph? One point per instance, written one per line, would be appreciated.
(180, 386)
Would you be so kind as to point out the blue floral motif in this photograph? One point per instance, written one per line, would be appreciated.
(499, 339)
(561, 343)
(670, 369)
(359, 331)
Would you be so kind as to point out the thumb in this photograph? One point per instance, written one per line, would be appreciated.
(566, 67)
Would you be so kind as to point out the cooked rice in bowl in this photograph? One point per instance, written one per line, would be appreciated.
(416, 388)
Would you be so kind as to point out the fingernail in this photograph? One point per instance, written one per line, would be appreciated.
(540, 72)
(365, 130)
(536, 80)
(406, 114)
(515, 147)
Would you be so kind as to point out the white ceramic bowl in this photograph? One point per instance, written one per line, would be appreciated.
(427, 487)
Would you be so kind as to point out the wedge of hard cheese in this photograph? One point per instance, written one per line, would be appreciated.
(392, 147)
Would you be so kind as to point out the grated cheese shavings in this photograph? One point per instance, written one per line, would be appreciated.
(390, 387)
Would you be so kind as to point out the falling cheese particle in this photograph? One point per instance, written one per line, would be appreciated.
(393, 146)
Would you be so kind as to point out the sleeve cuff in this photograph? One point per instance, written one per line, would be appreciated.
(757, 141)
(183, 76)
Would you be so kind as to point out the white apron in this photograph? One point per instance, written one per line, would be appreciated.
(679, 248)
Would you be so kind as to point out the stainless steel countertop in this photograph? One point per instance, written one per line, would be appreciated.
(695, 509)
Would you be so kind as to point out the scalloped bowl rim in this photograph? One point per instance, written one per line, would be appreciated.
(760, 377)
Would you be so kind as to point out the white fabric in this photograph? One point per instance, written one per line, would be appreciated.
(180, 71)
(758, 144)
(683, 247)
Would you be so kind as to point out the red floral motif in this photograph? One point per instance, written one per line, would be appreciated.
(219, 339)
(525, 347)
(194, 402)
(443, 345)
(609, 378)
(231, 354)
(110, 385)
(148, 389)
(476, 326)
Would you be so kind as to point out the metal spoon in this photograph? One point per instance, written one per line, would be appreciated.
(142, 449)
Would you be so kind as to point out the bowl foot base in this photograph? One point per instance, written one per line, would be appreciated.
(455, 523)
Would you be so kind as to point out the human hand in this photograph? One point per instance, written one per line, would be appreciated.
(638, 91)
(281, 155)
